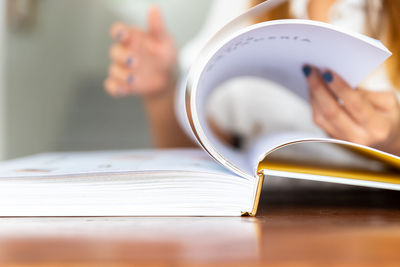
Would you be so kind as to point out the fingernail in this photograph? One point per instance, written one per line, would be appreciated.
(327, 76)
(129, 61)
(120, 35)
(130, 79)
(307, 70)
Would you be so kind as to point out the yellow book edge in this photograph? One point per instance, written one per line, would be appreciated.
(260, 182)
(390, 176)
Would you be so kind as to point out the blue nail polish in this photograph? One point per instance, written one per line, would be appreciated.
(120, 35)
(327, 76)
(130, 79)
(307, 70)
(129, 61)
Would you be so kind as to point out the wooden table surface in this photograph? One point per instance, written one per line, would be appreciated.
(295, 227)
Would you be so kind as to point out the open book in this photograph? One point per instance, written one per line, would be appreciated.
(217, 180)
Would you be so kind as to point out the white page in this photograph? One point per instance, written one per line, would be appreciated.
(76, 163)
(329, 179)
(235, 25)
(268, 144)
(277, 50)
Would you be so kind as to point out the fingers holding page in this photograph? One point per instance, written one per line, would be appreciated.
(320, 95)
(327, 112)
(353, 100)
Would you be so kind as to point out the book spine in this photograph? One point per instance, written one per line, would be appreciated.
(253, 212)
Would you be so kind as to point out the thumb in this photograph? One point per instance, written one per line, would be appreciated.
(156, 22)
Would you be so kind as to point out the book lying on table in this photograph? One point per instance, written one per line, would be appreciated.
(217, 180)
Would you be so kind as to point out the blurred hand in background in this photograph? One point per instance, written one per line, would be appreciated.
(143, 62)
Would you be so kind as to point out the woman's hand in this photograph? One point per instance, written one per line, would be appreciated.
(143, 62)
(355, 115)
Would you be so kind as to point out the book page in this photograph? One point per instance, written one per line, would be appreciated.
(275, 51)
(181, 105)
(319, 151)
(78, 163)
(297, 155)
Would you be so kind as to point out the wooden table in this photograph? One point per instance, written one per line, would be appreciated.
(295, 227)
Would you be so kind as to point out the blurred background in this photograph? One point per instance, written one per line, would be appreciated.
(54, 58)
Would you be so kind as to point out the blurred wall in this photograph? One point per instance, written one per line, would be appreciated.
(2, 77)
(55, 67)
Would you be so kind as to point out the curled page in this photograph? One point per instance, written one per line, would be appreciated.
(226, 31)
(276, 51)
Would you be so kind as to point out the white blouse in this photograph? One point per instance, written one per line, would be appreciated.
(249, 107)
